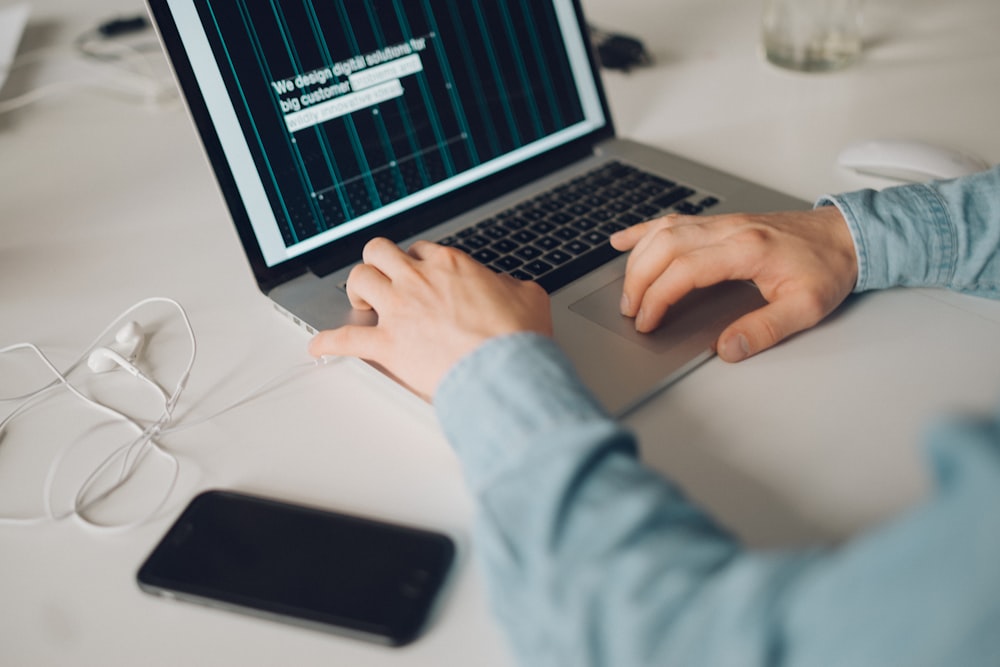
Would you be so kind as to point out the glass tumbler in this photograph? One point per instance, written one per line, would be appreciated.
(812, 35)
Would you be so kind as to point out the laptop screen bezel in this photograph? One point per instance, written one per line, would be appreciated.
(347, 250)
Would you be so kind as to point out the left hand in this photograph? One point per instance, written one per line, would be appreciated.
(435, 305)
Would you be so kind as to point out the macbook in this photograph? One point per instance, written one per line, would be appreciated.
(480, 124)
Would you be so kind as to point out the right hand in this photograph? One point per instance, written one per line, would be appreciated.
(802, 262)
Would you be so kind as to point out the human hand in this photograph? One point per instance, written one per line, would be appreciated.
(803, 263)
(434, 304)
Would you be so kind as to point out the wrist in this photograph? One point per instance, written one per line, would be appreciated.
(846, 240)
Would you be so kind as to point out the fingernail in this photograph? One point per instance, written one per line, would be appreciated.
(640, 321)
(735, 348)
(625, 305)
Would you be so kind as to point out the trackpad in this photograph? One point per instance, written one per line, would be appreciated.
(701, 315)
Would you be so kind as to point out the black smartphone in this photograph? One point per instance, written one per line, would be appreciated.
(345, 574)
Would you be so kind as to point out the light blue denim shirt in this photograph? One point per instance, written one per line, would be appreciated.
(593, 559)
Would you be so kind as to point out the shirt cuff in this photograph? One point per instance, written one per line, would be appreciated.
(902, 235)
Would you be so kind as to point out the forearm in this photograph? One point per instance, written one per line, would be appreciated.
(942, 234)
(593, 559)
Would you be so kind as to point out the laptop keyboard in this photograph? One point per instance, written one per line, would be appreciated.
(562, 234)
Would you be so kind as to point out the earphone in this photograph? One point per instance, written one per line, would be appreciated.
(122, 351)
(128, 339)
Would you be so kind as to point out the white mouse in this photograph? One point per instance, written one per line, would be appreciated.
(907, 160)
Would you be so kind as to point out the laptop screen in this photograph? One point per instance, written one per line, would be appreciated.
(335, 116)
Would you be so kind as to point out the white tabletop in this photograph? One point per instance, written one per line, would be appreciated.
(105, 203)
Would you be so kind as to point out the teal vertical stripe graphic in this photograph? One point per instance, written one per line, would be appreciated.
(415, 148)
(404, 113)
(298, 162)
(483, 103)
(324, 146)
(522, 71)
(439, 136)
(387, 142)
(380, 124)
(562, 64)
(321, 135)
(292, 148)
(548, 85)
(442, 57)
(335, 176)
(359, 149)
(495, 68)
(253, 124)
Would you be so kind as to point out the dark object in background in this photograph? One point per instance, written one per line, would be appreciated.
(618, 52)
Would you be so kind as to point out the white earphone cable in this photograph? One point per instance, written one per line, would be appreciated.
(129, 455)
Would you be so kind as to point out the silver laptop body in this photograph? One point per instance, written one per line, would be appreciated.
(327, 124)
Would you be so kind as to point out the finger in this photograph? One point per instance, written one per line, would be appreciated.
(764, 328)
(653, 256)
(422, 249)
(445, 257)
(695, 231)
(386, 256)
(626, 239)
(630, 237)
(695, 270)
(349, 340)
(364, 286)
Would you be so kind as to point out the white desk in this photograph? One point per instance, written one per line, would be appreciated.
(104, 203)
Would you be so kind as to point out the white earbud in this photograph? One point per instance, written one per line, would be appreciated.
(121, 353)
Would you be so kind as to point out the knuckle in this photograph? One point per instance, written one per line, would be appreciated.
(664, 233)
(534, 289)
(378, 242)
(450, 257)
(357, 270)
(752, 234)
(813, 306)
(423, 248)
(736, 220)
(683, 266)
(656, 225)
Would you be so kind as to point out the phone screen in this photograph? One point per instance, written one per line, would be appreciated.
(297, 564)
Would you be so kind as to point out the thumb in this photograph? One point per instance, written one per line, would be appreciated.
(762, 328)
(349, 340)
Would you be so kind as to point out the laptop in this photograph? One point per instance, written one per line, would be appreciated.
(475, 123)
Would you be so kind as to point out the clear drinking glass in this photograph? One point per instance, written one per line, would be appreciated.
(812, 35)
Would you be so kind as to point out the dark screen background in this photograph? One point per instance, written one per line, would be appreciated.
(495, 78)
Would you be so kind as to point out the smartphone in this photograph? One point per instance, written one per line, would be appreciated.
(316, 568)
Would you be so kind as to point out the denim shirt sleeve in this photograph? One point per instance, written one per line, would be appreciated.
(593, 559)
(938, 234)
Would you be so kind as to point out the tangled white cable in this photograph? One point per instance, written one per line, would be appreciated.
(123, 353)
(130, 453)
